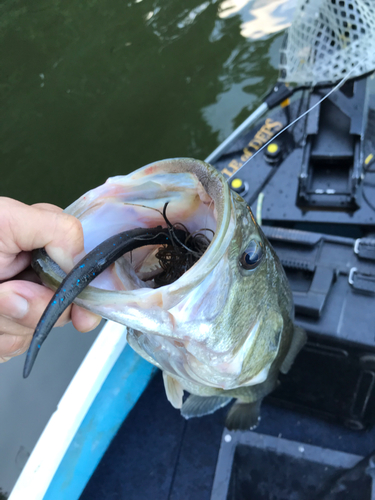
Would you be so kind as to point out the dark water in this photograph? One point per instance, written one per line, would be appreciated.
(94, 89)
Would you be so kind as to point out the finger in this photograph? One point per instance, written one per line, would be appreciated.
(10, 266)
(24, 302)
(83, 320)
(25, 228)
(48, 206)
(13, 345)
(27, 274)
(10, 327)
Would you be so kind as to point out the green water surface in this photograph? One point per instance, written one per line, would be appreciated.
(99, 88)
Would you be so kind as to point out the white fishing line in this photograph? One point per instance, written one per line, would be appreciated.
(298, 118)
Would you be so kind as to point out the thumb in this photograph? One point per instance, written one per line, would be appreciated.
(25, 228)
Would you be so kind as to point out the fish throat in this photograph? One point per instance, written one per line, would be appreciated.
(175, 260)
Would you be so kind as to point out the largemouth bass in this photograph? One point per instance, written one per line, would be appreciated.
(224, 329)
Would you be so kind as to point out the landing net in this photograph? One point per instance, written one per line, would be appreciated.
(327, 39)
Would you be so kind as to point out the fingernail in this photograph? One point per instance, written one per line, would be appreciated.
(13, 306)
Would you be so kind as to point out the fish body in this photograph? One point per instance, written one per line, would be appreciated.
(224, 329)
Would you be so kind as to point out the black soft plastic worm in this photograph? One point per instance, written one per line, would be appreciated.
(94, 263)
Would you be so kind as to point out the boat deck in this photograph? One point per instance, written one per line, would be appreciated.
(160, 456)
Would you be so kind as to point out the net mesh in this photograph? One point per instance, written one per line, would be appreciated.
(328, 38)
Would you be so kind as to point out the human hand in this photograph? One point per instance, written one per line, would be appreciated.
(24, 228)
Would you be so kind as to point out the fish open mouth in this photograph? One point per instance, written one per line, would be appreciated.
(152, 265)
(169, 262)
(177, 193)
(161, 245)
(183, 205)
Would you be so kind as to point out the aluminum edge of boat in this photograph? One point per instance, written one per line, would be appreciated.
(106, 386)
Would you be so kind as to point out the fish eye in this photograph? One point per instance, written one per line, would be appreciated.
(252, 256)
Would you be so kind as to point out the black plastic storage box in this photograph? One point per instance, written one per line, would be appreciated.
(333, 284)
(319, 175)
(255, 466)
